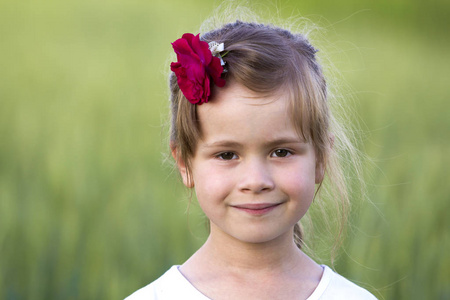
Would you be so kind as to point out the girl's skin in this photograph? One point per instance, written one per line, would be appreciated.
(254, 178)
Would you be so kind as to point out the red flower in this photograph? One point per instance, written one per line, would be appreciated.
(194, 68)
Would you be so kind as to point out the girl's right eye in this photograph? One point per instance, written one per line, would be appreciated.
(227, 156)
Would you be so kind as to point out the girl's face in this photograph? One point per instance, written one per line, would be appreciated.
(254, 177)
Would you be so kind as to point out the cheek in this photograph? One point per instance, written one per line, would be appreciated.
(211, 185)
(212, 192)
(300, 183)
(301, 195)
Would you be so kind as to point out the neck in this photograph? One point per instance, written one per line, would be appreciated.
(280, 255)
(237, 269)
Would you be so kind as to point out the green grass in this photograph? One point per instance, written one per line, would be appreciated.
(88, 209)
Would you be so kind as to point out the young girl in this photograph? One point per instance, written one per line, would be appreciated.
(252, 133)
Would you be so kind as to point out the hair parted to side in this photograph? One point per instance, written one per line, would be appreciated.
(267, 59)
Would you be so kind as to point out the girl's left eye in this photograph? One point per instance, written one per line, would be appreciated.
(227, 156)
(281, 153)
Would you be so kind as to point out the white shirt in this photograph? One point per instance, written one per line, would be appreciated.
(173, 285)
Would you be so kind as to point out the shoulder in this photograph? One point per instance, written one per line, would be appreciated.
(171, 285)
(335, 287)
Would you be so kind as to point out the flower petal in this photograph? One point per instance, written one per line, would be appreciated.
(196, 67)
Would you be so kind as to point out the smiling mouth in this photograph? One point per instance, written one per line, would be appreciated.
(257, 208)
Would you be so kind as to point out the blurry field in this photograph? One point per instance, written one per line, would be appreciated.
(88, 208)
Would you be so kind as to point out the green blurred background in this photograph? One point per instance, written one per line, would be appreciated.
(88, 207)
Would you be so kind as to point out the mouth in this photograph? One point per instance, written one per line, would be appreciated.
(256, 208)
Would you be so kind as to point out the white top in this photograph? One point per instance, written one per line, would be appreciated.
(173, 285)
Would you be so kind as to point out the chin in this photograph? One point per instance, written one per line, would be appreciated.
(260, 237)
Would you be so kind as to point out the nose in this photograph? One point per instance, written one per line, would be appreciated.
(255, 176)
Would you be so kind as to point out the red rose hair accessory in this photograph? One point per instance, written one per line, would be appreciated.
(197, 63)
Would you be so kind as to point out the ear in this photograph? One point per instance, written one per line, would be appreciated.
(320, 171)
(187, 181)
(320, 165)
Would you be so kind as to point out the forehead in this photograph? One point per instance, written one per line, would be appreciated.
(235, 97)
(237, 112)
(234, 93)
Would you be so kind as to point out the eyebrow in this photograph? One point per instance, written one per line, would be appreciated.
(234, 144)
(223, 143)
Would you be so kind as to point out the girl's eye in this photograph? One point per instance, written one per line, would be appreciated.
(281, 153)
(227, 155)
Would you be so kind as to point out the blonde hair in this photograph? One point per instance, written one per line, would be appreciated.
(267, 59)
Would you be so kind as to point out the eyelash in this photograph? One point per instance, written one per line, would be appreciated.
(287, 152)
(220, 155)
(234, 156)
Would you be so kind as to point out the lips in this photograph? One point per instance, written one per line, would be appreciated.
(256, 208)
